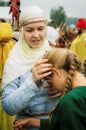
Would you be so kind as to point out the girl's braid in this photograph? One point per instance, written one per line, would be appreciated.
(74, 65)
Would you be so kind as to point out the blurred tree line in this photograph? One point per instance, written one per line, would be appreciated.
(4, 3)
(58, 17)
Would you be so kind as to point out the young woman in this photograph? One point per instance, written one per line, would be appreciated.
(23, 93)
(67, 78)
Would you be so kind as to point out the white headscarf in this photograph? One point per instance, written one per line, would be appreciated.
(52, 35)
(22, 58)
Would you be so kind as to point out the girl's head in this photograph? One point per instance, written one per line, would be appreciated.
(64, 65)
(33, 26)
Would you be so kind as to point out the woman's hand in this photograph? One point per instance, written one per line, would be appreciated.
(21, 124)
(41, 70)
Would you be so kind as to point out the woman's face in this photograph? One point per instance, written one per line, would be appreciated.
(34, 34)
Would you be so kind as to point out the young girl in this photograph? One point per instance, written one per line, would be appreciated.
(67, 78)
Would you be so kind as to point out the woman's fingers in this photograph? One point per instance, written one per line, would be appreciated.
(41, 70)
(41, 62)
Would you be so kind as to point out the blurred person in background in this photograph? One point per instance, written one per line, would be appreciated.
(71, 33)
(2, 20)
(6, 44)
(15, 37)
(78, 44)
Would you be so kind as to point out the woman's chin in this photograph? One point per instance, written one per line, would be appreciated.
(36, 46)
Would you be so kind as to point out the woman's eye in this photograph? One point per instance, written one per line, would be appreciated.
(40, 29)
(29, 30)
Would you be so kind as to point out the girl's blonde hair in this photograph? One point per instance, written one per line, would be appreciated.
(67, 60)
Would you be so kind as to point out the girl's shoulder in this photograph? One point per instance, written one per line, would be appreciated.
(74, 97)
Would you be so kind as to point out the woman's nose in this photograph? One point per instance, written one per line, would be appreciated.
(36, 33)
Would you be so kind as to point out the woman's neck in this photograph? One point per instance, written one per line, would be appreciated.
(78, 80)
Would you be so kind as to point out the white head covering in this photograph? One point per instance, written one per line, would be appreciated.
(52, 35)
(31, 14)
(22, 58)
(72, 26)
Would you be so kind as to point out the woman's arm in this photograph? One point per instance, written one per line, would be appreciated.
(16, 95)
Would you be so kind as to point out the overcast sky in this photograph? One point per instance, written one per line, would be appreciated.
(73, 8)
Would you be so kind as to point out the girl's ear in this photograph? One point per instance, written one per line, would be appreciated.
(56, 72)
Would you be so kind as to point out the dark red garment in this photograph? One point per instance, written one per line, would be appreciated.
(15, 10)
(15, 7)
